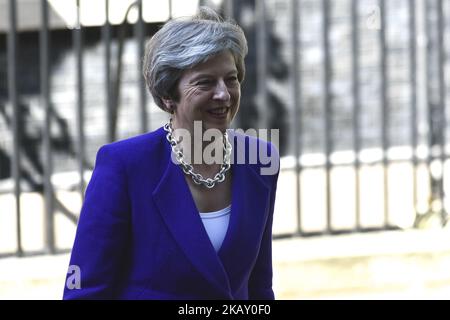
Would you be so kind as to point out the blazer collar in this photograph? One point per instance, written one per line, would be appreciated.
(177, 207)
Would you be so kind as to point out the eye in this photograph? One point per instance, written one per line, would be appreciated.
(233, 80)
(204, 82)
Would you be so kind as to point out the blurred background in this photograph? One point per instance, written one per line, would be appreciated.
(357, 88)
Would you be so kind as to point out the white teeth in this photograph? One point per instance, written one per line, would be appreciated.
(219, 111)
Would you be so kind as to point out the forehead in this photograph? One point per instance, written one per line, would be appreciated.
(222, 62)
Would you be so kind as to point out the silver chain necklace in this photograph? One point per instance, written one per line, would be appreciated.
(189, 170)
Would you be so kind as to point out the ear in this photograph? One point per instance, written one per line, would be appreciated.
(169, 104)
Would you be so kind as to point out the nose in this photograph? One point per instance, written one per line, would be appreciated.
(221, 92)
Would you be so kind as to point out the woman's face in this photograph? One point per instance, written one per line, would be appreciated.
(209, 92)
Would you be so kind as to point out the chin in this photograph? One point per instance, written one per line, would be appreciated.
(221, 125)
(222, 128)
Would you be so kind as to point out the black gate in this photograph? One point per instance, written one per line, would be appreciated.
(356, 87)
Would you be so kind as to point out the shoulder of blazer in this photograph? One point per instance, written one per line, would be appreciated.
(130, 152)
(258, 154)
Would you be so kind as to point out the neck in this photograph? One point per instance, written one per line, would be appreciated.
(213, 156)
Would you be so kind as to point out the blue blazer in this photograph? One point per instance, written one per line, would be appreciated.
(140, 236)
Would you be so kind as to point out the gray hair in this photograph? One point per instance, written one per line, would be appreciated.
(183, 43)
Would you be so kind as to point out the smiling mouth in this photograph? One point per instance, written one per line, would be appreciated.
(219, 111)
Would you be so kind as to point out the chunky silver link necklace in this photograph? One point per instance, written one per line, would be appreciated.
(189, 170)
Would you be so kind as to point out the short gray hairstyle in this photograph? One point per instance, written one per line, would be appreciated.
(183, 43)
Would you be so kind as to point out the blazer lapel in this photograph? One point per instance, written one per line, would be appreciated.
(249, 212)
(176, 205)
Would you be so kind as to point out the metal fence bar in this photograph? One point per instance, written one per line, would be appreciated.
(296, 97)
(140, 39)
(327, 108)
(229, 9)
(428, 77)
(78, 44)
(426, 13)
(356, 107)
(413, 97)
(44, 45)
(384, 109)
(261, 58)
(442, 100)
(106, 35)
(13, 98)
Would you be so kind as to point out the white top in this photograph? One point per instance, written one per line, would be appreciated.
(216, 225)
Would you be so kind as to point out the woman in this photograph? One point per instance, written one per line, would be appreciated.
(156, 225)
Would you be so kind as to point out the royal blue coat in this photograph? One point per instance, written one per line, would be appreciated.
(140, 236)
